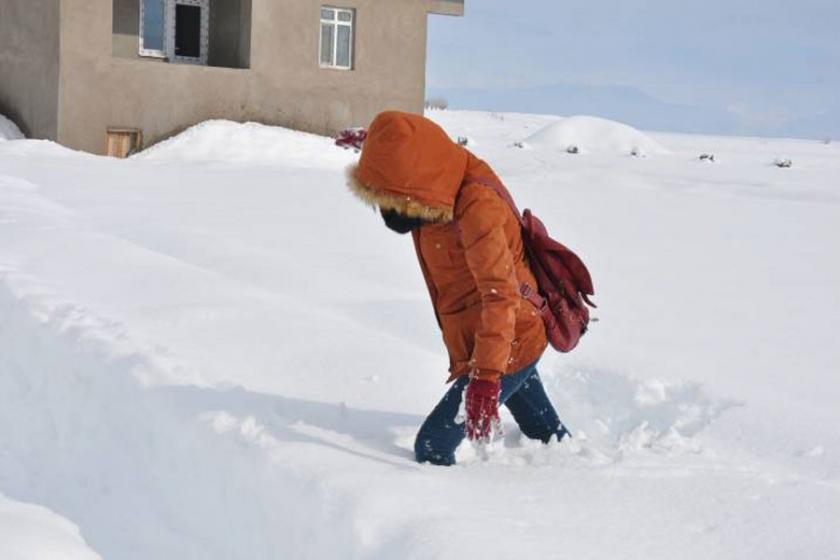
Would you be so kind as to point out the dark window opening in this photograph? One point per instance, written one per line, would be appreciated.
(188, 31)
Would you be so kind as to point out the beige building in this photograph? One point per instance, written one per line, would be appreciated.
(71, 70)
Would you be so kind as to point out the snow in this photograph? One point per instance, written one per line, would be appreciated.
(593, 134)
(30, 532)
(213, 351)
(249, 143)
(9, 130)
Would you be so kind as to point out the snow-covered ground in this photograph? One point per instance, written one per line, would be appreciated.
(213, 351)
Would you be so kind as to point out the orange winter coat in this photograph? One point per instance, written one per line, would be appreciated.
(472, 256)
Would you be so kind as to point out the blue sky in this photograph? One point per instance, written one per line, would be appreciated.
(767, 67)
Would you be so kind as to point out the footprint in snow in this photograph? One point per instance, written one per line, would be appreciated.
(619, 415)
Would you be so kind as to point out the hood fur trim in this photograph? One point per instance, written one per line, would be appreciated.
(405, 205)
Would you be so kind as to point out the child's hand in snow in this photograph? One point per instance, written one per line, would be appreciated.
(481, 402)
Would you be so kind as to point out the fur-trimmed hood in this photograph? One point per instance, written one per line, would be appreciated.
(409, 164)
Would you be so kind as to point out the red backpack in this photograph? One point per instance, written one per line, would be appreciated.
(563, 282)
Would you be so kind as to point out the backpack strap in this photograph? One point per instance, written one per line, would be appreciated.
(534, 298)
(500, 190)
(527, 291)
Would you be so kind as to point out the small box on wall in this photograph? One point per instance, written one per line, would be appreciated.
(122, 142)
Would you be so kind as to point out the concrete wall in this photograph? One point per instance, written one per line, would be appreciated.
(284, 85)
(29, 65)
(447, 7)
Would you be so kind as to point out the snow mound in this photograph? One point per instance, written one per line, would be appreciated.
(9, 130)
(594, 134)
(249, 143)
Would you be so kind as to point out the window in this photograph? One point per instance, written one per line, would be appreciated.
(188, 31)
(152, 16)
(175, 29)
(336, 38)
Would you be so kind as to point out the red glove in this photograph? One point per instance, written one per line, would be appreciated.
(481, 401)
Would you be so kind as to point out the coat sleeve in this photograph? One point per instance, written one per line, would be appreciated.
(481, 217)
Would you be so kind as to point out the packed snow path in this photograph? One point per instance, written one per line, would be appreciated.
(212, 359)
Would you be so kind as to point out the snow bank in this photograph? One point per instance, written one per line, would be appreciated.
(594, 134)
(30, 532)
(9, 130)
(248, 143)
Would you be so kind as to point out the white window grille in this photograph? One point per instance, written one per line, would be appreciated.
(336, 43)
(175, 29)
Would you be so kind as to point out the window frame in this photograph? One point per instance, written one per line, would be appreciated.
(168, 51)
(205, 31)
(142, 50)
(334, 23)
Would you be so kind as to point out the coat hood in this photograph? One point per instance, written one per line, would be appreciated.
(409, 164)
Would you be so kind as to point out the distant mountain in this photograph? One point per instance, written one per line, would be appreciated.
(822, 126)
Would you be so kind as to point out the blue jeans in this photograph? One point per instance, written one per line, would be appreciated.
(523, 394)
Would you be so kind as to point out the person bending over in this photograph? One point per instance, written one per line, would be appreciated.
(469, 246)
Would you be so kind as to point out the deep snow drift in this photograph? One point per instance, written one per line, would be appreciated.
(229, 361)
